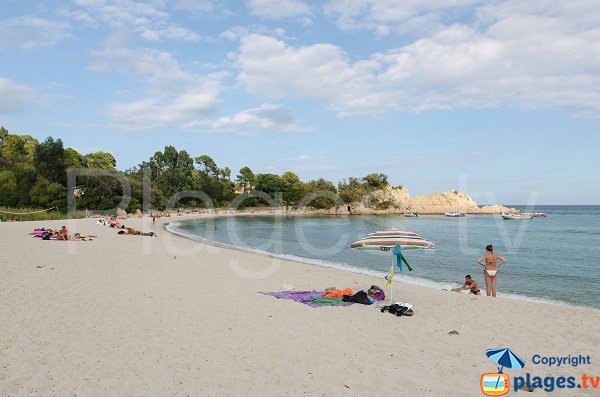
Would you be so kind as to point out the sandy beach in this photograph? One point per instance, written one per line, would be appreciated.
(167, 316)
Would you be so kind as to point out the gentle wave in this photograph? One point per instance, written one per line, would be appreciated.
(172, 228)
(573, 231)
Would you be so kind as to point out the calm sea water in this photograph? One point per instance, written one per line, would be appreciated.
(554, 259)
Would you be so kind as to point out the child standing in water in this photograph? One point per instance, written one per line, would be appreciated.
(489, 261)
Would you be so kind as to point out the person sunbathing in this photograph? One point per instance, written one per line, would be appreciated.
(63, 233)
(133, 231)
(469, 284)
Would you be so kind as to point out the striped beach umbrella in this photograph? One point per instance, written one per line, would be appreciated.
(387, 239)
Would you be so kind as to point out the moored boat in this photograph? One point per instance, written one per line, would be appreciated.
(538, 215)
(411, 215)
(516, 216)
(455, 214)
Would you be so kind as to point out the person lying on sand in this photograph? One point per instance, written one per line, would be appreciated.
(469, 284)
(133, 231)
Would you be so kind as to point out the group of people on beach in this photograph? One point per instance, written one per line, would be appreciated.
(114, 223)
(489, 261)
(62, 234)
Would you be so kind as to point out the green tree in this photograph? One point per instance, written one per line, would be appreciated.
(225, 173)
(324, 189)
(8, 189)
(173, 170)
(102, 160)
(245, 179)
(296, 189)
(271, 184)
(48, 194)
(73, 159)
(17, 150)
(3, 134)
(353, 190)
(207, 165)
(376, 181)
(99, 192)
(49, 160)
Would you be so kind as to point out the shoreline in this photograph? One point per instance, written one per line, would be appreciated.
(399, 278)
(166, 315)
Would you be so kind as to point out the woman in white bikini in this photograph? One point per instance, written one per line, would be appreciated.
(490, 263)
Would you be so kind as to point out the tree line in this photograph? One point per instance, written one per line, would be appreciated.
(34, 175)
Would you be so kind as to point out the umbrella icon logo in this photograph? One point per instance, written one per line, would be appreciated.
(498, 384)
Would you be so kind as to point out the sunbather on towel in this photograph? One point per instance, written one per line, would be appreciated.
(63, 233)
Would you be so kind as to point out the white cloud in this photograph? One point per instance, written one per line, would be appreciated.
(265, 117)
(15, 97)
(386, 16)
(155, 112)
(278, 9)
(30, 32)
(159, 71)
(172, 96)
(78, 16)
(512, 54)
(321, 72)
(146, 18)
(237, 32)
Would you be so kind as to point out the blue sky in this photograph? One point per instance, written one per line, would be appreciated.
(500, 99)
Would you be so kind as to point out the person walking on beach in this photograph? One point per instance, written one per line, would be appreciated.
(469, 284)
(489, 261)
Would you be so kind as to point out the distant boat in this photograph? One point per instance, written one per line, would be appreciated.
(454, 214)
(517, 216)
(537, 214)
(411, 215)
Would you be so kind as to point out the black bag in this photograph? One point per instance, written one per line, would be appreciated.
(399, 310)
(359, 297)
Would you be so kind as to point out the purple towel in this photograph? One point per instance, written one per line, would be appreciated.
(302, 297)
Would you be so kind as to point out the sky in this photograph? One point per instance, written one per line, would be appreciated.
(499, 99)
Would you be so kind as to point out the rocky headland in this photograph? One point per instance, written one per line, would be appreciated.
(397, 200)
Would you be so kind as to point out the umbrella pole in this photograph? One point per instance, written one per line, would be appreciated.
(392, 283)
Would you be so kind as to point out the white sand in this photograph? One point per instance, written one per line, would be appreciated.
(142, 316)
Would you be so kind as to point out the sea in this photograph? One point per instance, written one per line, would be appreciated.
(554, 259)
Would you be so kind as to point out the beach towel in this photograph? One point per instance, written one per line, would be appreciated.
(337, 294)
(326, 301)
(310, 298)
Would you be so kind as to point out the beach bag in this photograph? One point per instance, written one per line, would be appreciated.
(376, 293)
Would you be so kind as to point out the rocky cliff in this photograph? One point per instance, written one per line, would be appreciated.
(390, 200)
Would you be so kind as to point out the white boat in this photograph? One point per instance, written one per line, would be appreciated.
(455, 214)
(536, 214)
(411, 215)
(516, 216)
